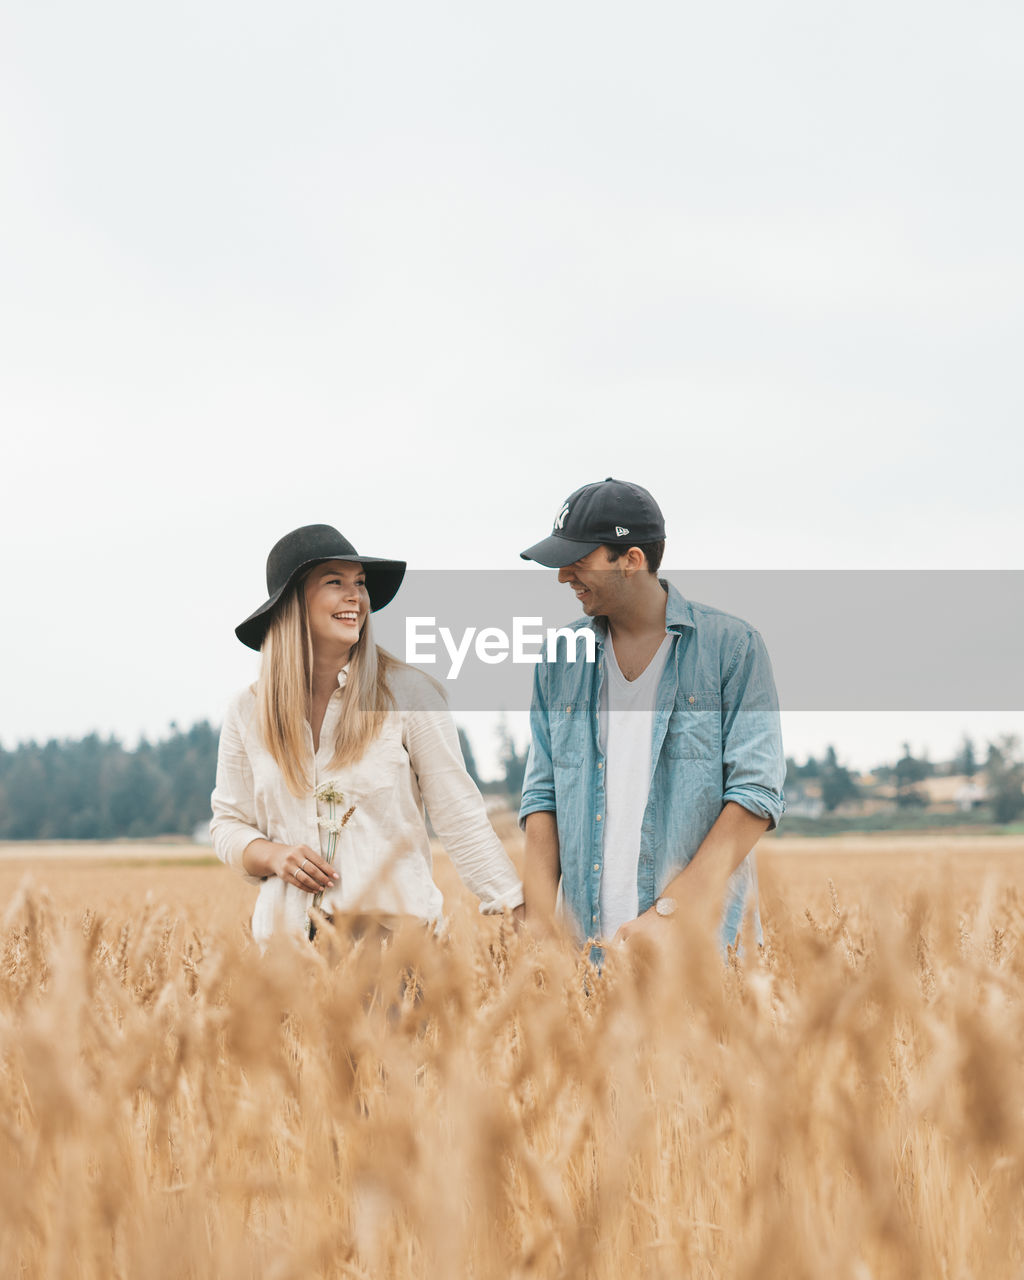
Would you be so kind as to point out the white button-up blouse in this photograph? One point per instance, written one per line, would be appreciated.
(383, 851)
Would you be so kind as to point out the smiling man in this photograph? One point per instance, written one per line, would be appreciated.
(654, 770)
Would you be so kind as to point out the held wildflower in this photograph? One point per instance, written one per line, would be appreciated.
(330, 792)
(333, 796)
(334, 825)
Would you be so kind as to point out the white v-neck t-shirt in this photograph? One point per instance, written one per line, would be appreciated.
(626, 734)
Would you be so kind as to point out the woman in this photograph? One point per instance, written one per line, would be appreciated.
(324, 763)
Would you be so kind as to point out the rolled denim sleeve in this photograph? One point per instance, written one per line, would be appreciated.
(539, 779)
(753, 762)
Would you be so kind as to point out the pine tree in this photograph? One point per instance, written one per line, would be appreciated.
(1004, 772)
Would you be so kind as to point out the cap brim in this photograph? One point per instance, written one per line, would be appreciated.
(383, 578)
(556, 552)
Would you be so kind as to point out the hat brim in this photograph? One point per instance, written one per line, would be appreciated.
(383, 578)
(556, 552)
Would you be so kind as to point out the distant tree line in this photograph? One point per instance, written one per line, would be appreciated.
(1003, 772)
(95, 788)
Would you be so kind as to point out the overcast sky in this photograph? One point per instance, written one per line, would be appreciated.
(419, 271)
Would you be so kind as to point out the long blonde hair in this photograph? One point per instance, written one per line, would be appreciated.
(284, 693)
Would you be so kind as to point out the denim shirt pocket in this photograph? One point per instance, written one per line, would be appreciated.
(695, 726)
(569, 726)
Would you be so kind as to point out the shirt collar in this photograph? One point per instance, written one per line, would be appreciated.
(678, 615)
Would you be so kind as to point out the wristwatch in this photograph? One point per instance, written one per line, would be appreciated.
(665, 906)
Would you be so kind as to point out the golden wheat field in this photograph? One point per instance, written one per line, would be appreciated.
(846, 1103)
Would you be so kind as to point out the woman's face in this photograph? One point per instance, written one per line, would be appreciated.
(337, 605)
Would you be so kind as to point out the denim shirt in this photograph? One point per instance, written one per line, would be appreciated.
(716, 739)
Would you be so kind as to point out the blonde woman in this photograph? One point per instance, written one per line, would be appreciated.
(324, 763)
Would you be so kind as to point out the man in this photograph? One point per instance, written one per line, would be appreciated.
(654, 770)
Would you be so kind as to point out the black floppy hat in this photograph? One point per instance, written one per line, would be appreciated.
(300, 550)
(614, 513)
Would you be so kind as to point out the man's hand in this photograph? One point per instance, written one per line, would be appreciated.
(649, 925)
(699, 887)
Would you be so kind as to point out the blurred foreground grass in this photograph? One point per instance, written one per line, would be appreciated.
(848, 1103)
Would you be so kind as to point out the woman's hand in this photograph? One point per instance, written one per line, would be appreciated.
(295, 864)
(300, 866)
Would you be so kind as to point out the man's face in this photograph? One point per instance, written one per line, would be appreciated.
(599, 583)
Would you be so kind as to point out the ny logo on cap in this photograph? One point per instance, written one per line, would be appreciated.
(560, 518)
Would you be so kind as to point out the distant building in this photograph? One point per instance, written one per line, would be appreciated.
(805, 806)
(969, 796)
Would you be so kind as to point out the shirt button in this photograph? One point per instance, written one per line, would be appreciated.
(568, 710)
(600, 764)
(597, 866)
(691, 699)
(599, 817)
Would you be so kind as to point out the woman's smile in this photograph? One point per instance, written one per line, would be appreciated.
(337, 602)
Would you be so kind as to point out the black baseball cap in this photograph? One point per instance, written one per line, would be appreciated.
(607, 513)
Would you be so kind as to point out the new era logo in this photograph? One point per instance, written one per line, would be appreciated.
(620, 532)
